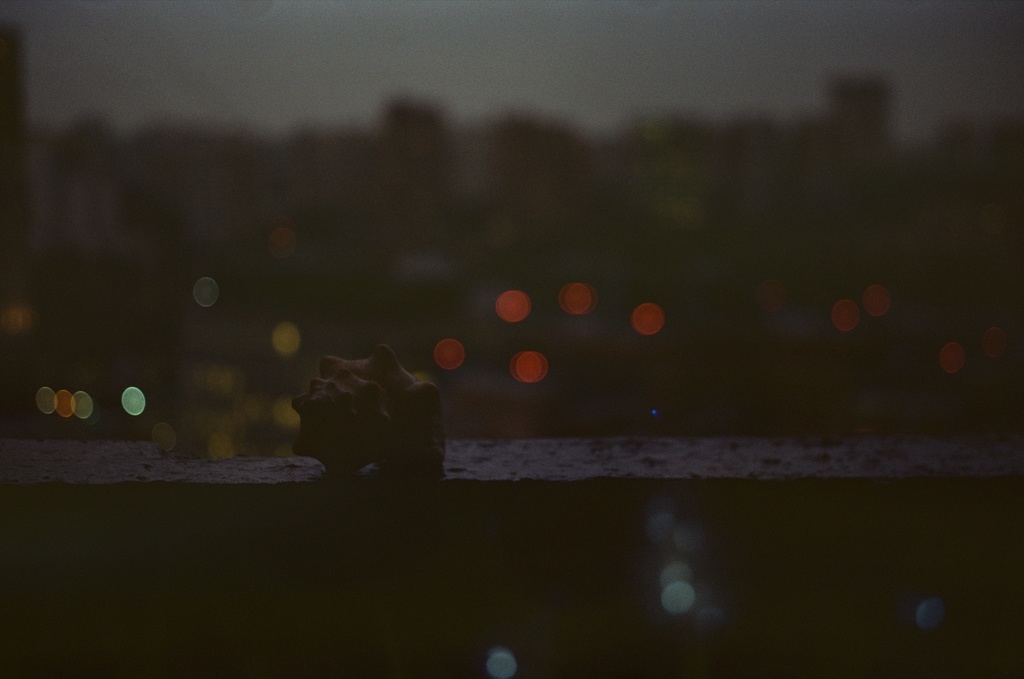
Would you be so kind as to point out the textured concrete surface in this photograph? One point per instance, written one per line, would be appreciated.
(70, 461)
(864, 457)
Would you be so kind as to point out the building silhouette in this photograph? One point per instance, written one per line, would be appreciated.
(18, 316)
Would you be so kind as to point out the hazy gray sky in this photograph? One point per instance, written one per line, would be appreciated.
(272, 65)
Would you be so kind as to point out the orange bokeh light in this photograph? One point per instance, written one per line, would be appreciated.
(845, 315)
(65, 403)
(951, 357)
(449, 353)
(529, 366)
(993, 342)
(876, 300)
(281, 241)
(512, 306)
(577, 298)
(771, 295)
(648, 318)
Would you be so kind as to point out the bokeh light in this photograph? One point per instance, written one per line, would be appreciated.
(659, 525)
(17, 319)
(82, 404)
(164, 436)
(771, 295)
(993, 342)
(449, 353)
(876, 300)
(930, 613)
(220, 445)
(678, 597)
(689, 536)
(281, 239)
(512, 306)
(46, 400)
(285, 416)
(64, 403)
(286, 339)
(648, 318)
(529, 366)
(845, 315)
(952, 357)
(577, 298)
(205, 291)
(677, 571)
(133, 401)
(501, 663)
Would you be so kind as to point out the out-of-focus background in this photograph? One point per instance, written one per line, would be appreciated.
(577, 219)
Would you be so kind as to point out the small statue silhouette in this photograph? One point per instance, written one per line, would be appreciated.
(371, 410)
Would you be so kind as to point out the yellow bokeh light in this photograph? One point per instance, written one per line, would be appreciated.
(164, 436)
(220, 445)
(284, 415)
(46, 400)
(286, 339)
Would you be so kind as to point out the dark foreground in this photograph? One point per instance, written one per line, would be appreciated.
(370, 578)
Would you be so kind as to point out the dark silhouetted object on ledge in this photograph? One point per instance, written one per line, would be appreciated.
(364, 411)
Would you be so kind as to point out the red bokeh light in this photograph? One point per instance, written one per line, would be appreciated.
(577, 298)
(993, 342)
(449, 353)
(648, 318)
(771, 295)
(281, 239)
(529, 366)
(951, 357)
(512, 306)
(845, 315)
(876, 300)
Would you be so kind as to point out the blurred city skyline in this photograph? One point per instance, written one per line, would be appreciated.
(685, 274)
(273, 67)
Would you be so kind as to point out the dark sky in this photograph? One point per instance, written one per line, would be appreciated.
(273, 65)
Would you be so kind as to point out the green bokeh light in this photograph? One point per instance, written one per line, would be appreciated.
(133, 400)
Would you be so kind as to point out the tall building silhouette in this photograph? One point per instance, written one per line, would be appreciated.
(860, 112)
(13, 182)
(17, 315)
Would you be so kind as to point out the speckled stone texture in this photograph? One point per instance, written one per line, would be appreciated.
(100, 462)
(853, 457)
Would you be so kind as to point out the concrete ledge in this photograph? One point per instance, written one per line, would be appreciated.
(102, 462)
(852, 457)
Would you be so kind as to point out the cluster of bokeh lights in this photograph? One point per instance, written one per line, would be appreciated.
(876, 301)
(576, 298)
(81, 405)
(65, 404)
(953, 355)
